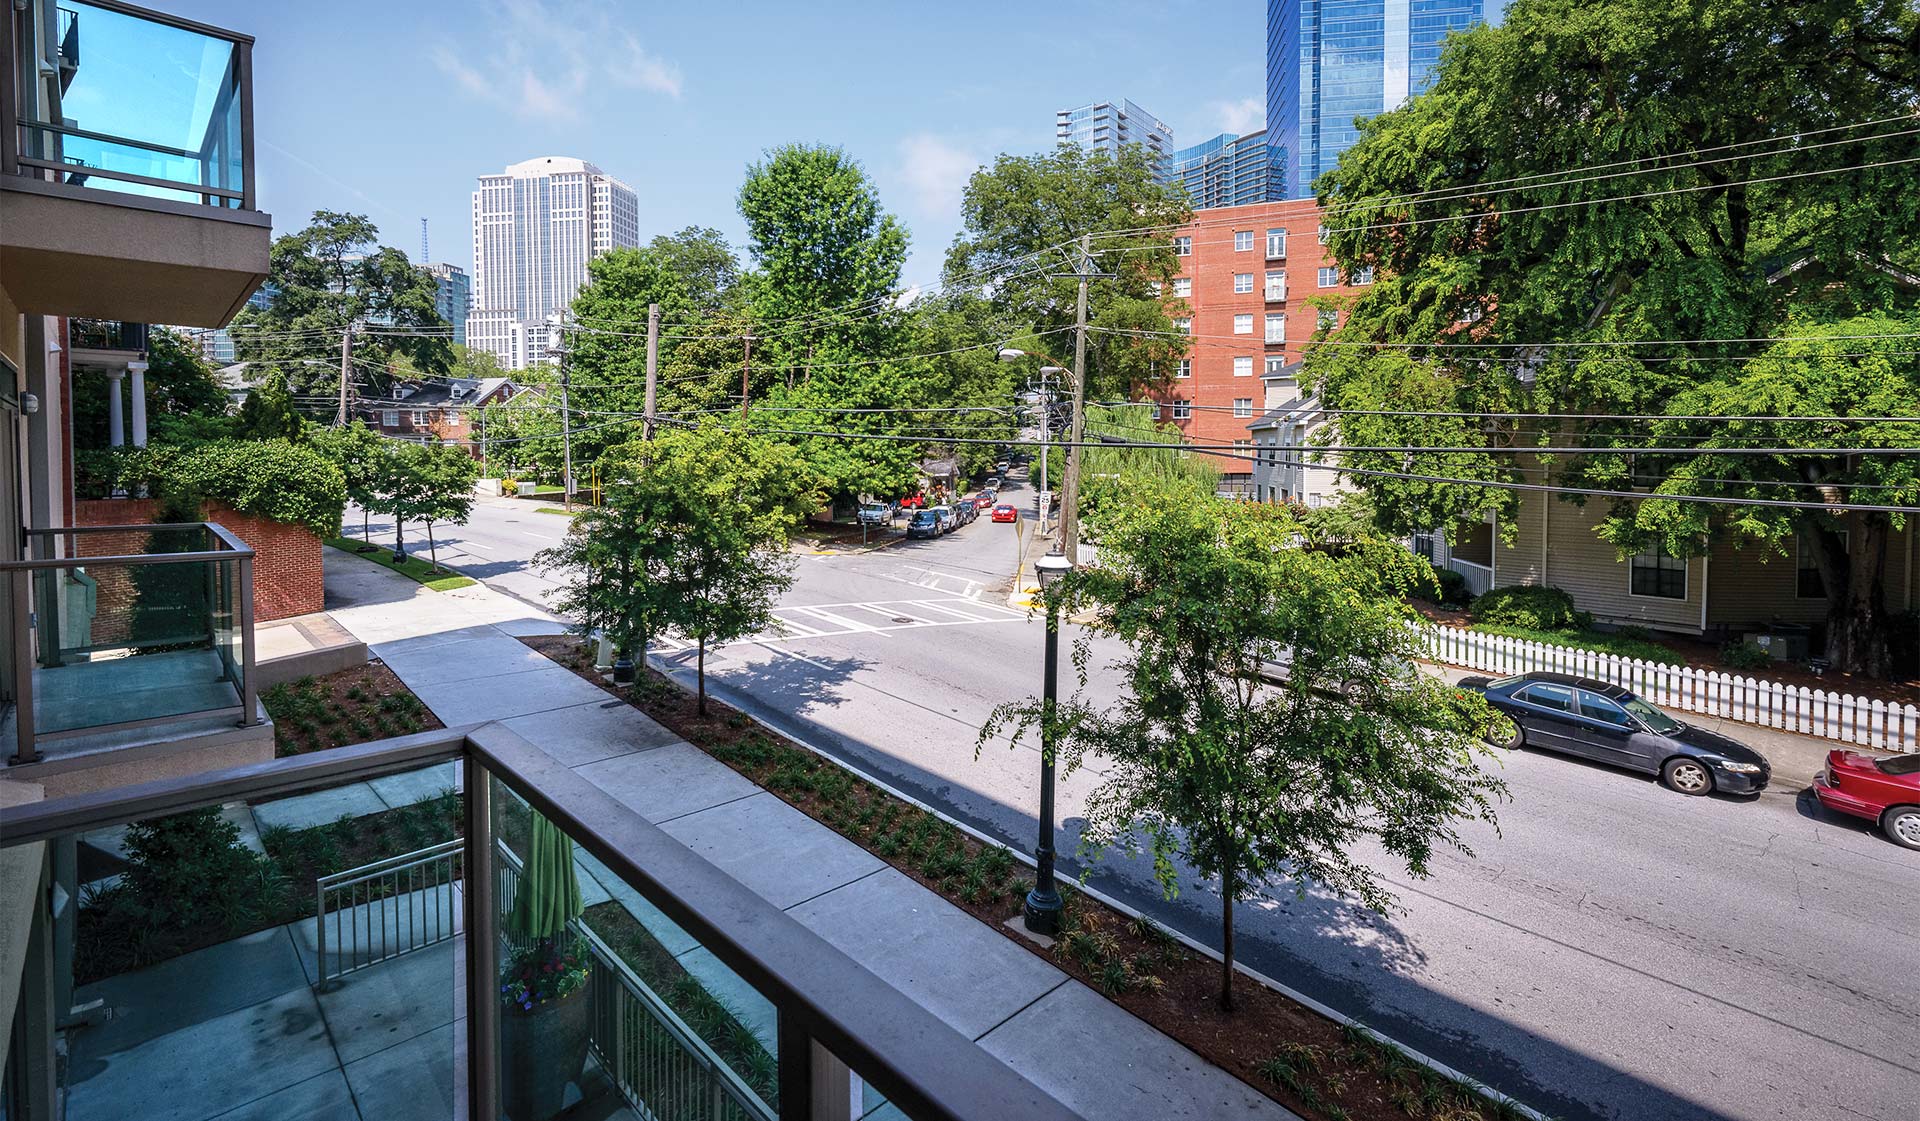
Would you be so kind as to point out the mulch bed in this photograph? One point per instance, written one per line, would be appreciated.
(1279, 1047)
(351, 706)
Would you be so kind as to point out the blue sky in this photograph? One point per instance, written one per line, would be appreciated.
(393, 108)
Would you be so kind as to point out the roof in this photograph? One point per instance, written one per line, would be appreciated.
(436, 394)
(1296, 409)
(1605, 689)
(939, 466)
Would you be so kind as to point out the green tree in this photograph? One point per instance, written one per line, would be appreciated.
(330, 275)
(1452, 200)
(360, 454)
(412, 483)
(450, 473)
(704, 262)
(614, 561)
(1252, 784)
(1021, 220)
(268, 413)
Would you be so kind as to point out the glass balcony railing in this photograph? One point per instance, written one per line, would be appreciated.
(106, 334)
(128, 627)
(446, 925)
(136, 101)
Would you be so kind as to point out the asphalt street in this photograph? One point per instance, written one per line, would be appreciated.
(1614, 950)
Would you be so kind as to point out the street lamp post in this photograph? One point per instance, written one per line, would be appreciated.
(1042, 913)
(1043, 495)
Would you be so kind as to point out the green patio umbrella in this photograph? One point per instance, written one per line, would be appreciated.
(548, 895)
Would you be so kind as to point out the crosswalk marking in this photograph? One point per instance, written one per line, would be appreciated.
(803, 621)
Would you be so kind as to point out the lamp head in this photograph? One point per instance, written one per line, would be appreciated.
(1052, 567)
(1008, 354)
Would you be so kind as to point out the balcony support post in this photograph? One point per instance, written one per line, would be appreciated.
(481, 920)
(249, 710)
(20, 595)
(138, 388)
(116, 428)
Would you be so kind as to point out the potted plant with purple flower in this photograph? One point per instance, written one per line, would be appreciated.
(545, 1011)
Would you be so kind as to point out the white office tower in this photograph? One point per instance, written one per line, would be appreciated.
(535, 227)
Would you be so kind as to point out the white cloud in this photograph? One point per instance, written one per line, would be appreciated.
(1249, 114)
(936, 172)
(543, 60)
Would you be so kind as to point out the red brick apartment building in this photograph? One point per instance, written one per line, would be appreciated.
(1258, 282)
(424, 411)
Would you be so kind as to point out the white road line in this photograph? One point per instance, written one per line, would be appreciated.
(537, 536)
(848, 626)
(930, 605)
(473, 545)
(892, 609)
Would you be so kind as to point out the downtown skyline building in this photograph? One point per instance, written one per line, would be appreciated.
(1226, 170)
(535, 227)
(453, 297)
(1108, 125)
(1330, 61)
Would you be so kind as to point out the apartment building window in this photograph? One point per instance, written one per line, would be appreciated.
(1183, 286)
(1323, 233)
(1276, 328)
(1183, 246)
(1276, 245)
(1243, 407)
(1183, 325)
(1243, 241)
(1360, 276)
(1242, 282)
(1185, 369)
(1329, 277)
(1182, 410)
(1807, 573)
(1276, 286)
(1243, 324)
(1243, 366)
(1329, 318)
(1276, 365)
(390, 418)
(1656, 572)
(1156, 287)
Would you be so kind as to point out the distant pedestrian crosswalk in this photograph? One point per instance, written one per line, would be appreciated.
(880, 617)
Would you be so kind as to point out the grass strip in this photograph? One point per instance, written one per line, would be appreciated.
(439, 579)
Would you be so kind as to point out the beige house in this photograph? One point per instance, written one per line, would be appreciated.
(1738, 588)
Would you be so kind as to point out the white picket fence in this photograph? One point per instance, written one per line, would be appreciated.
(1814, 712)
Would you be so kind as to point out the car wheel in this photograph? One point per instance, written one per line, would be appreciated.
(1506, 732)
(1688, 776)
(1901, 824)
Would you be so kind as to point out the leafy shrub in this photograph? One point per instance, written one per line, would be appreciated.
(1535, 607)
(1443, 586)
(274, 479)
(1745, 655)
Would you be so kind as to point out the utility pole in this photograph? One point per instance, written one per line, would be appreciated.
(653, 363)
(559, 343)
(346, 370)
(1045, 490)
(746, 367)
(1070, 484)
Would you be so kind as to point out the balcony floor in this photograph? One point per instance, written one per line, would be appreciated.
(141, 687)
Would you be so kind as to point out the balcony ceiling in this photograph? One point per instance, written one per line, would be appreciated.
(83, 252)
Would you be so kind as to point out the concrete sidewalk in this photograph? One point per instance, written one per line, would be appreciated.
(460, 652)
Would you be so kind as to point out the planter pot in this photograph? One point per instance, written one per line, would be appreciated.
(541, 1053)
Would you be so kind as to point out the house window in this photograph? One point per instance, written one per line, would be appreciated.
(1243, 365)
(1242, 282)
(1276, 328)
(1183, 246)
(1323, 234)
(1243, 406)
(1243, 241)
(1806, 572)
(1360, 276)
(1276, 365)
(1276, 245)
(1328, 319)
(1182, 410)
(1276, 286)
(1183, 286)
(1243, 324)
(1329, 278)
(452, 416)
(1655, 572)
(1183, 325)
(390, 418)
(419, 418)
(1185, 369)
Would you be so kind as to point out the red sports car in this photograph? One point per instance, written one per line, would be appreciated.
(1884, 791)
(1005, 513)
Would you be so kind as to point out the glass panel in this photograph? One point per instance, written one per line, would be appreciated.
(604, 1000)
(161, 102)
(201, 934)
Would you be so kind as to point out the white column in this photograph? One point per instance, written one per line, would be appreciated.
(116, 431)
(139, 389)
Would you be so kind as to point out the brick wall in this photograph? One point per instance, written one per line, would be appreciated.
(287, 577)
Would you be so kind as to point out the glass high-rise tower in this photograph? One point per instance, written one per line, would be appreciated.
(1329, 61)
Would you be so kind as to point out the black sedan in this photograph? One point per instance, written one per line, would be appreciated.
(1608, 724)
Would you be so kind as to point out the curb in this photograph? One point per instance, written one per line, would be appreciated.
(1242, 968)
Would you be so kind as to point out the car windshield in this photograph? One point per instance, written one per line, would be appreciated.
(1899, 765)
(924, 517)
(1652, 717)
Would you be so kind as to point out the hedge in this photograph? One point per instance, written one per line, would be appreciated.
(274, 479)
(1535, 607)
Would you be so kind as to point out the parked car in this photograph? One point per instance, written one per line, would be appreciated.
(1883, 791)
(1394, 671)
(876, 513)
(1003, 467)
(983, 501)
(992, 483)
(948, 519)
(963, 513)
(1608, 724)
(913, 502)
(925, 523)
(1006, 512)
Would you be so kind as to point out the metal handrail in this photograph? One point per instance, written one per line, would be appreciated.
(825, 999)
(444, 914)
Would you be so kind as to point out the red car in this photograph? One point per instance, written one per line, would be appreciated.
(1884, 791)
(982, 502)
(1005, 513)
